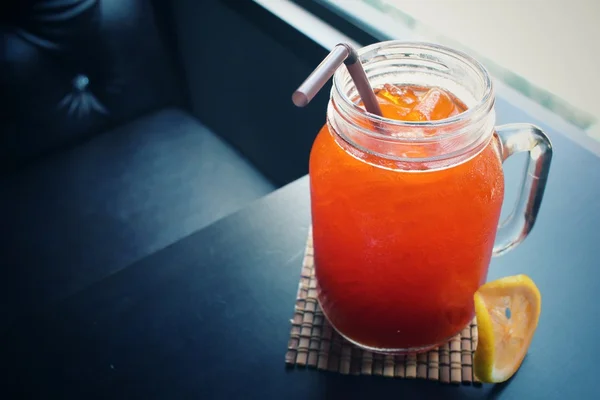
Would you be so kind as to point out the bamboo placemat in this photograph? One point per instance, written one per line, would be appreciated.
(314, 343)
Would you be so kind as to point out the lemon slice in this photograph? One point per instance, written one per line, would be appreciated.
(507, 311)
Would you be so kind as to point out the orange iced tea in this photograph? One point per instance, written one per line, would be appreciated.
(399, 253)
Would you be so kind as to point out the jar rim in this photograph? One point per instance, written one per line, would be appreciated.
(483, 105)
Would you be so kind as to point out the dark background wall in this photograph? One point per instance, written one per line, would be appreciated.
(242, 65)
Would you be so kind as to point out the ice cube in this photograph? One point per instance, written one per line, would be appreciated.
(393, 111)
(396, 102)
(434, 105)
(403, 97)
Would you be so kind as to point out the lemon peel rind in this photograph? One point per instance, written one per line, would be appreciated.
(485, 346)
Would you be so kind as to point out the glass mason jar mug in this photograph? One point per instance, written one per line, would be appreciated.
(406, 214)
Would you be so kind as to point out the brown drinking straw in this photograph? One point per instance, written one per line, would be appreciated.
(341, 53)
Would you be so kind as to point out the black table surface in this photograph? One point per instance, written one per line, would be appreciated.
(209, 316)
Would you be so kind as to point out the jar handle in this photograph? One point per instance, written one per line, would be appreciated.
(516, 138)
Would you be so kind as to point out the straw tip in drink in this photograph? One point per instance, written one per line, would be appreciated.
(300, 99)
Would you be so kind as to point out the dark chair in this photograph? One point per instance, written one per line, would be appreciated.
(102, 163)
